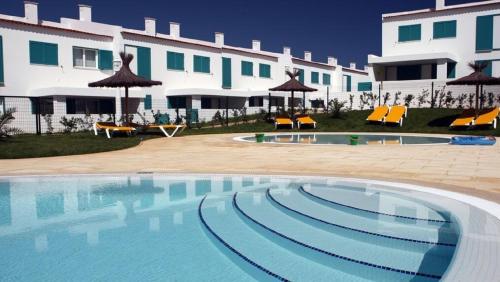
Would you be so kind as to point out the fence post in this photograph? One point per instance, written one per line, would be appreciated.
(432, 95)
(327, 98)
(379, 93)
(37, 117)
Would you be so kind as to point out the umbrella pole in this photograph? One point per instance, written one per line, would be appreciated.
(126, 106)
(477, 100)
(292, 106)
(304, 102)
(269, 107)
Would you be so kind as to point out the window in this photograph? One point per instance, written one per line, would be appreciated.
(409, 33)
(314, 77)
(446, 29)
(256, 101)
(317, 103)
(226, 73)
(206, 103)
(326, 79)
(246, 68)
(1, 62)
(484, 33)
(90, 106)
(42, 53)
(451, 70)
(177, 102)
(201, 64)
(148, 102)
(264, 70)
(301, 75)
(43, 106)
(175, 61)
(84, 58)
(411, 72)
(347, 81)
(364, 86)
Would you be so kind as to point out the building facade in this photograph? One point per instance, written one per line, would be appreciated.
(46, 66)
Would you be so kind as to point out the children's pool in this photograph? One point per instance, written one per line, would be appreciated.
(345, 139)
(149, 227)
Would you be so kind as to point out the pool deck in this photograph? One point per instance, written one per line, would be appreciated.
(474, 170)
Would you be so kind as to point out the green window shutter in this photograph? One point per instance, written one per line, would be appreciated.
(264, 70)
(36, 52)
(409, 32)
(314, 77)
(144, 62)
(447, 29)
(326, 79)
(175, 61)
(148, 102)
(1, 62)
(201, 64)
(43, 53)
(364, 86)
(451, 70)
(226, 73)
(246, 68)
(301, 75)
(105, 60)
(51, 54)
(348, 83)
(484, 33)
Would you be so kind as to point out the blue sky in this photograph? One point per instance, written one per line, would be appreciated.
(348, 30)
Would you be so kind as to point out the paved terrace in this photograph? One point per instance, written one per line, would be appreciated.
(473, 170)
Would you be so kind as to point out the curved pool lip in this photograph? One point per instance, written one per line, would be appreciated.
(484, 205)
(242, 138)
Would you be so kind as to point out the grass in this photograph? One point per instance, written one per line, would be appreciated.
(418, 121)
(33, 146)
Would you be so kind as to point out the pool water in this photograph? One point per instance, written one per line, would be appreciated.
(363, 139)
(231, 228)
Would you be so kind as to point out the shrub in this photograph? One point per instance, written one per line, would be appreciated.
(86, 122)
(491, 100)
(387, 97)
(351, 101)
(471, 100)
(408, 99)
(336, 107)
(460, 100)
(449, 100)
(48, 120)
(6, 118)
(70, 124)
(422, 98)
(397, 95)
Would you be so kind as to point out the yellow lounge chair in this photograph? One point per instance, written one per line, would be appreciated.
(110, 127)
(378, 114)
(305, 120)
(177, 128)
(396, 115)
(283, 121)
(488, 117)
(465, 119)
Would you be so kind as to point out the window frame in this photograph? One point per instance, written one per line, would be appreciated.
(327, 75)
(202, 62)
(402, 28)
(261, 70)
(175, 67)
(43, 61)
(84, 55)
(314, 77)
(444, 23)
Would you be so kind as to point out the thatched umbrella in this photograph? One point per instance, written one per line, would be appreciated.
(125, 78)
(477, 78)
(293, 85)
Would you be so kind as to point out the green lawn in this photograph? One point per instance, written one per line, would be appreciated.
(31, 146)
(418, 121)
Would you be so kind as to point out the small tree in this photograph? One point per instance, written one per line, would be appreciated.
(422, 98)
(351, 101)
(336, 107)
(48, 121)
(408, 99)
(387, 97)
(5, 119)
(461, 100)
(449, 100)
(491, 100)
(397, 95)
(470, 99)
(70, 124)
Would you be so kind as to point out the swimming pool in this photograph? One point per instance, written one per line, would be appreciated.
(239, 228)
(344, 139)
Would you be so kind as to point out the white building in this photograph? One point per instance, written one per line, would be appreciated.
(436, 45)
(50, 64)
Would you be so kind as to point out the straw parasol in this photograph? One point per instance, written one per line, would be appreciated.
(293, 85)
(477, 78)
(125, 78)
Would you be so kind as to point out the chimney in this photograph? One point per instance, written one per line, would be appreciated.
(440, 4)
(332, 61)
(352, 66)
(307, 56)
(256, 45)
(219, 39)
(175, 30)
(150, 26)
(85, 12)
(31, 12)
(287, 51)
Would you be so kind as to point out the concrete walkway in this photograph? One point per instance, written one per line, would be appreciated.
(473, 170)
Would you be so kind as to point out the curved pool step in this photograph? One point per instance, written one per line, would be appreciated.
(360, 252)
(273, 261)
(317, 215)
(328, 195)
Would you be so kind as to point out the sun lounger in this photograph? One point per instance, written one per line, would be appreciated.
(379, 114)
(305, 120)
(176, 128)
(465, 119)
(283, 121)
(396, 115)
(488, 117)
(110, 127)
